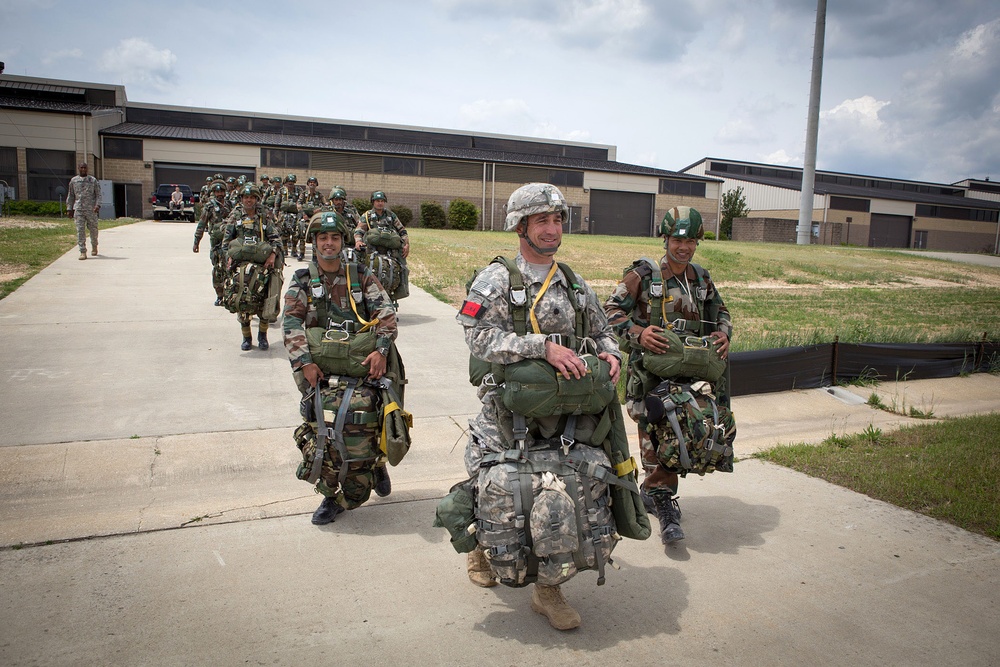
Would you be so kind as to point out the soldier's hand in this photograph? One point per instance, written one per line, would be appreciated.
(406, 251)
(358, 245)
(565, 360)
(612, 360)
(195, 247)
(270, 261)
(376, 364)
(312, 374)
(69, 213)
(721, 342)
(651, 339)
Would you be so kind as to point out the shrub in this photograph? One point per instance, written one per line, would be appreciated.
(462, 215)
(362, 205)
(405, 214)
(432, 215)
(709, 236)
(29, 207)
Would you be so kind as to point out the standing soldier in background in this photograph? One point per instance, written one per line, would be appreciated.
(679, 297)
(266, 191)
(286, 210)
(310, 201)
(338, 202)
(384, 239)
(213, 220)
(83, 201)
(233, 195)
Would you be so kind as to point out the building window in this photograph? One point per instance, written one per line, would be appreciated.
(569, 179)
(850, 204)
(402, 166)
(276, 157)
(48, 171)
(681, 188)
(920, 239)
(125, 149)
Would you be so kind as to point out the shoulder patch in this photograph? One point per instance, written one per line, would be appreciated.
(472, 309)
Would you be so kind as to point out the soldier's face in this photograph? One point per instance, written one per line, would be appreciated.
(329, 245)
(82, 169)
(249, 202)
(545, 230)
(338, 204)
(379, 205)
(681, 250)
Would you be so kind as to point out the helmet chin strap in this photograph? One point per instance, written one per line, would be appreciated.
(666, 246)
(540, 251)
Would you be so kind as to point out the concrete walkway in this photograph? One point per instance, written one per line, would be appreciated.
(146, 472)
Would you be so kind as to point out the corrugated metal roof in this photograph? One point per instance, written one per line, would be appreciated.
(361, 146)
(42, 87)
(49, 105)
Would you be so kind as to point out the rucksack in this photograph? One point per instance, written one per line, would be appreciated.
(246, 288)
(693, 432)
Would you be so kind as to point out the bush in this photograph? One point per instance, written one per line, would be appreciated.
(28, 207)
(462, 215)
(405, 214)
(432, 215)
(362, 205)
(709, 236)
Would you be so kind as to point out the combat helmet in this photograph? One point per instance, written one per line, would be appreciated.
(682, 222)
(250, 189)
(312, 179)
(326, 221)
(534, 198)
(338, 193)
(378, 194)
(290, 178)
(265, 177)
(241, 180)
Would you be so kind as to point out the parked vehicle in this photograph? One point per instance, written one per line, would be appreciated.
(162, 210)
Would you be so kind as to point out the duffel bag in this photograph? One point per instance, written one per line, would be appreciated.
(338, 352)
(690, 357)
(534, 388)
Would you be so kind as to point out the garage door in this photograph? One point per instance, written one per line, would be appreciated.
(621, 213)
(889, 231)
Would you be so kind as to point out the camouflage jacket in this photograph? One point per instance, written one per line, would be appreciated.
(213, 213)
(387, 220)
(284, 195)
(692, 294)
(350, 214)
(260, 227)
(300, 309)
(489, 325)
(313, 201)
(84, 194)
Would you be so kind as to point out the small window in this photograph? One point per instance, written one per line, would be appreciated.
(124, 149)
(402, 166)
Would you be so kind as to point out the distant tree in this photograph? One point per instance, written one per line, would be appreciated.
(432, 215)
(363, 205)
(462, 215)
(734, 205)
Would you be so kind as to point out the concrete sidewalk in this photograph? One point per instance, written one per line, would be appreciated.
(156, 460)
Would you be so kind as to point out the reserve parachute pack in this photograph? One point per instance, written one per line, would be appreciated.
(694, 432)
(248, 243)
(343, 343)
(250, 288)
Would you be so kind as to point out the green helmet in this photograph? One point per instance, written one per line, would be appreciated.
(217, 177)
(290, 178)
(338, 193)
(312, 179)
(327, 221)
(250, 189)
(534, 198)
(208, 179)
(378, 194)
(265, 177)
(682, 222)
(241, 180)
(219, 187)
(231, 179)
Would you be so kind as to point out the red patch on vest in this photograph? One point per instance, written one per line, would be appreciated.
(472, 309)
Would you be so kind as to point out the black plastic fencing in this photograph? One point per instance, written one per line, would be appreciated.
(765, 371)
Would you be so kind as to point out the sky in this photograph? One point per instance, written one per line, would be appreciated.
(911, 88)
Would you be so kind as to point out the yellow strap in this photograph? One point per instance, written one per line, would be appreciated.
(538, 297)
(386, 411)
(366, 325)
(626, 467)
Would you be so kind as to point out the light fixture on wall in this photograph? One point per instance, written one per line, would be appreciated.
(148, 165)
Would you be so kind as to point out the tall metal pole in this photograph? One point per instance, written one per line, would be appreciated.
(804, 229)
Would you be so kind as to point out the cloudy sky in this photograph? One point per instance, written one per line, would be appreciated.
(911, 88)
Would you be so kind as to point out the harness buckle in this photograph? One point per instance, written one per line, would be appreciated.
(656, 290)
(249, 240)
(695, 341)
(330, 334)
(566, 444)
(518, 296)
(680, 324)
(557, 338)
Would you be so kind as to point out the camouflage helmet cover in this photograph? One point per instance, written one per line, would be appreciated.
(338, 193)
(231, 179)
(208, 179)
(265, 177)
(312, 179)
(218, 187)
(534, 198)
(250, 190)
(682, 222)
(326, 221)
(241, 180)
(378, 194)
(217, 177)
(290, 178)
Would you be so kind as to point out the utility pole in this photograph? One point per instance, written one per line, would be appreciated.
(804, 229)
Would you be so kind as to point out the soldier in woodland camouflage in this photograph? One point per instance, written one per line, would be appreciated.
(286, 211)
(310, 202)
(213, 221)
(83, 201)
(327, 232)
(338, 203)
(536, 212)
(691, 306)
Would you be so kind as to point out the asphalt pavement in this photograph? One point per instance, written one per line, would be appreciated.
(149, 512)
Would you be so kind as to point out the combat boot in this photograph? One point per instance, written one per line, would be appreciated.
(327, 511)
(93, 251)
(647, 501)
(218, 301)
(246, 344)
(383, 485)
(669, 514)
(262, 340)
(83, 255)
(550, 603)
(479, 569)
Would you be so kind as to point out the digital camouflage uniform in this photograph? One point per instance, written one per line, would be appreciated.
(238, 223)
(628, 313)
(491, 337)
(300, 313)
(213, 221)
(83, 196)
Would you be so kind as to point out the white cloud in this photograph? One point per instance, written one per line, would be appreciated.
(781, 157)
(136, 61)
(862, 112)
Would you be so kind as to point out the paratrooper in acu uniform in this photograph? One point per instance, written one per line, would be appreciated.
(213, 221)
(671, 319)
(83, 201)
(535, 315)
(383, 239)
(309, 203)
(255, 257)
(335, 305)
(286, 210)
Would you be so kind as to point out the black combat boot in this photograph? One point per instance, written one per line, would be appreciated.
(647, 501)
(218, 301)
(327, 511)
(669, 514)
(383, 486)
(246, 344)
(262, 340)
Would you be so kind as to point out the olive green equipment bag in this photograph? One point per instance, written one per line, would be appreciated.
(387, 269)
(341, 346)
(247, 287)
(691, 430)
(248, 244)
(394, 441)
(695, 357)
(456, 512)
(383, 238)
(534, 388)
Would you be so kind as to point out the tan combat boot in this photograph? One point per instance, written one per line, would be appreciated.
(549, 602)
(83, 255)
(479, 569)
(94, 251)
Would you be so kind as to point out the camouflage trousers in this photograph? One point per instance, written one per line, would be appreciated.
(659, 479)
(218, 267)
(85, 222)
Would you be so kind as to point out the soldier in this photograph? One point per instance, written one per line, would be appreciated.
(266, 189)
(233, 195)
(338, 202)
(213, 220)
(393, 242)
(319, 296)
(252, 222)
(536, 212)
(206, 192)
(690, 305)
(286, 210)
(310, 201)
(83, 201)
